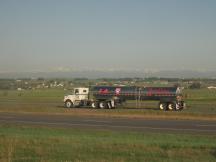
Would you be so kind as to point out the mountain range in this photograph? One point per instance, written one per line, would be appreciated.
(111, 74)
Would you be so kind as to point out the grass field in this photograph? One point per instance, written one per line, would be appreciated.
(21, 143)
(40, 144)
(201, 104)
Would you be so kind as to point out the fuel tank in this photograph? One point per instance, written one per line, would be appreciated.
(133, 93)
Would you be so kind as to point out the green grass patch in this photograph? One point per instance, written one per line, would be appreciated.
(24, 143)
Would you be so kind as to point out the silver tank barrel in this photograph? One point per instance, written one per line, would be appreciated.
(133, 92)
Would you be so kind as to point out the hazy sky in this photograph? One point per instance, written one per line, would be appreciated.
(52, 35)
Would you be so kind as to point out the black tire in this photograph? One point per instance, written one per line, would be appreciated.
(162, 106)
(109, 105)
(68, 104)
(171, 106)
(102, 105)
(180, 106)
(113, 104)
(95, 105)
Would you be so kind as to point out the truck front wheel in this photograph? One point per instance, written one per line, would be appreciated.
(68, 104)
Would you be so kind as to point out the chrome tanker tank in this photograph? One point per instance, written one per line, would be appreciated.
(133, 93)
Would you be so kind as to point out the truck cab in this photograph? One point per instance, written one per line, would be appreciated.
(78, 97)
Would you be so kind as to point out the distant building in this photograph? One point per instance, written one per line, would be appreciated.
(211, 87)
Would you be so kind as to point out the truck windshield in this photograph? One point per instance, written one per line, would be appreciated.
(76, 91)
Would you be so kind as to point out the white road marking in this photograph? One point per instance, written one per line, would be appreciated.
(96, 121)
(207, 125)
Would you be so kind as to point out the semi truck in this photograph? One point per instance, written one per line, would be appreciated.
(169, 98)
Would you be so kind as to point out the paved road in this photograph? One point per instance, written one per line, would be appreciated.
(145, 125)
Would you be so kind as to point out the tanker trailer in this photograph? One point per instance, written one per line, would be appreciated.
(169, 98)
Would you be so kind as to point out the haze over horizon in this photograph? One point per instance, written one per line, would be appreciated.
(120, 35)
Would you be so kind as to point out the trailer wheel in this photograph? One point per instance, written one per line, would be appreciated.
(163, 106)
(113, 104)
(102, 105)
(180, 106)
(68, 104)
(94, 105)
(171, 106)
(109, 105)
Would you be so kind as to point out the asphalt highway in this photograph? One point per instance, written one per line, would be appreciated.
(105, 123)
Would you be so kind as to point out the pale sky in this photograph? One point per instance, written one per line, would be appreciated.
(52, 35)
